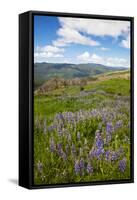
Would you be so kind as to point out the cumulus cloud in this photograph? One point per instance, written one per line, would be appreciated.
(86, 57)
(48, 51)
(49, 48)
(70, 35)
(96, 27)
(73, 30)
(126, 42)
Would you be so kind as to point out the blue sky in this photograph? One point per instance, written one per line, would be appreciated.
(77, 40)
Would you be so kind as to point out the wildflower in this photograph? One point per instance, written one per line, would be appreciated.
(89, 168)
(99, 143)
(99, 152)
(104, 119)
(121, 150)
(59, 116)
(52, 145)
(107, 155)
(114, 156)
(40, 167)
(81, 163)
(77, 167)
(51, 128)
(118, 124)
(63, 155)
(109, 127)
(97, 134)
(59, 148)
(60, 132)
(122, 165)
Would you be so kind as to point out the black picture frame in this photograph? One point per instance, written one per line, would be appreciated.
(26, 78)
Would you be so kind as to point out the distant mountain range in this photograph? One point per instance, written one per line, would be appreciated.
(44, 71)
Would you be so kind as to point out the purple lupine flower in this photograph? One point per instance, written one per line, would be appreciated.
(122, 165)
(81, 163)
(89, 168)
(109, 127)
(52, 145)
(118, 124)
(77, 167)
(51, 128)
(99, 152)
(63, 155)
(40, 167)
(60, 132)
(59, 148)
(107, 155)
(99, 143)
(114, 156)
(97, 134)
(104, 119)
(96, 153)
(59, 116)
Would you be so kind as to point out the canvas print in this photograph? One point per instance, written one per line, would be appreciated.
(82, 94)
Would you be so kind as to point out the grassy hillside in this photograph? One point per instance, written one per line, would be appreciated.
(45, 71)
(82, 134)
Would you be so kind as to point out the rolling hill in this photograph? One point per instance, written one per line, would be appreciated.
(44, 71)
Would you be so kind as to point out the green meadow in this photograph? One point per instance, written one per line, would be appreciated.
(82, 131)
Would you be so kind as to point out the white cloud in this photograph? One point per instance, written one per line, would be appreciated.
(49, 48)
(60, 42)
(86, 57)
(42, 53)
(96, 27)
(126, 42)
(69, 35)
(73, 30)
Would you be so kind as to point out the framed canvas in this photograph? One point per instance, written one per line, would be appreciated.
(76, 99)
